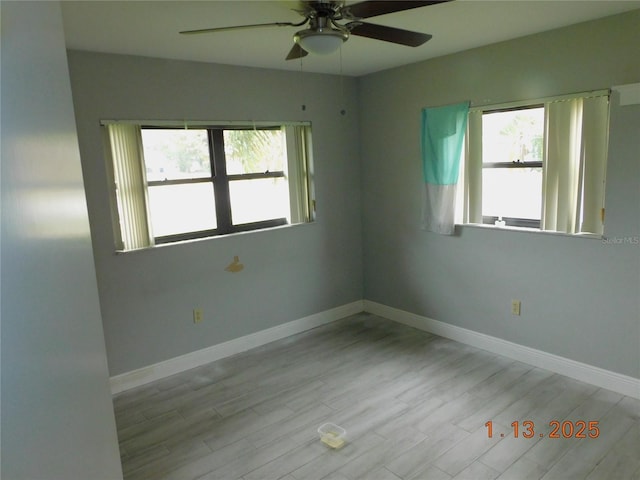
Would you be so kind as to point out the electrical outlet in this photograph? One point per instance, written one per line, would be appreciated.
(515, 307)
(198, 315)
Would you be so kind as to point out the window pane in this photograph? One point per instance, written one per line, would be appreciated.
(257, 200)
(514, 136)
(182, 208)
(512, 192)
(171, 154)
(255, 151)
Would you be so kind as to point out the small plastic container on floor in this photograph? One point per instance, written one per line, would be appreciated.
(332, 435)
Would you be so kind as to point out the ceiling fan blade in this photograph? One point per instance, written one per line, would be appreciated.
(374, 8)
(297, 52)
(388, 34)
(241, 27)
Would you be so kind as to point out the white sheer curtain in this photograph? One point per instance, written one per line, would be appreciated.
(574, 165)
(130, 186)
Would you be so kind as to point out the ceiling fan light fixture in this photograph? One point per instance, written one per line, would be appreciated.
(321, 41)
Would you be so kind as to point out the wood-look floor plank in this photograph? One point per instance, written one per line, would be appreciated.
(183, 454)
(174, 427)
(548, 452)
(331, 476)
(332, 460)
(530, 381)
(502, 380)
(449, 412)
(418, 458)
(210, 462)
(152, 455)
(431, 473)
(464, 453)
(586, 454)
(523, 469)
(414, 405)
(511, 448)
(290, 454)
(317, 414)
(382, 474)
(241, 425)
(477, 471)
(623, 460)
(375, 458)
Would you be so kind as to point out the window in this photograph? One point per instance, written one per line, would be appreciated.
(176, 183)
(538, 164)
(512, 143)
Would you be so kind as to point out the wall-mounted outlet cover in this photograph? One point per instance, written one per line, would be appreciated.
(515, 307)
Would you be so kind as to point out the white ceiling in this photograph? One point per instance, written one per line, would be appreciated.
(150, 28)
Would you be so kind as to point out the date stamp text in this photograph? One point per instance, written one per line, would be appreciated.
(557, 429)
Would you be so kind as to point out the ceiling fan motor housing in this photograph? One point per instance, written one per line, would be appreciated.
(321, 37)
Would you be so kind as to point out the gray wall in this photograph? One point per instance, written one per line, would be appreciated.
(580, 297)
(57, 416)
(147, 297)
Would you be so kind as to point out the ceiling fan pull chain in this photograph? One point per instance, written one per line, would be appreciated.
(343, 111)
(302, 89)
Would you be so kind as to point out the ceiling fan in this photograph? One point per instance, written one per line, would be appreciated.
(325, 33)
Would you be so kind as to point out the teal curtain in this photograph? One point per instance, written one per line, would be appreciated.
(443, 131)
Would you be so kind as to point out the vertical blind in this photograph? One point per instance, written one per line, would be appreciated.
(127, 159)
(574, 163)
(298, 148)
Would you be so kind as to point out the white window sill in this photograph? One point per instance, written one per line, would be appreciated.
(211, 238)
(530, 230)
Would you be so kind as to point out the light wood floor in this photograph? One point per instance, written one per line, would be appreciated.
(414, 406)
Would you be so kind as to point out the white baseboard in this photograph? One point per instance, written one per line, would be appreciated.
(580, 371)
(142, 376)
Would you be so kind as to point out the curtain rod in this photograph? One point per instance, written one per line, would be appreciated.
(557, 98)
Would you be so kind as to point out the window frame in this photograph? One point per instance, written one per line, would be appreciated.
(220, 181)
(298, 174)
(226, 179)
(512, 221)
